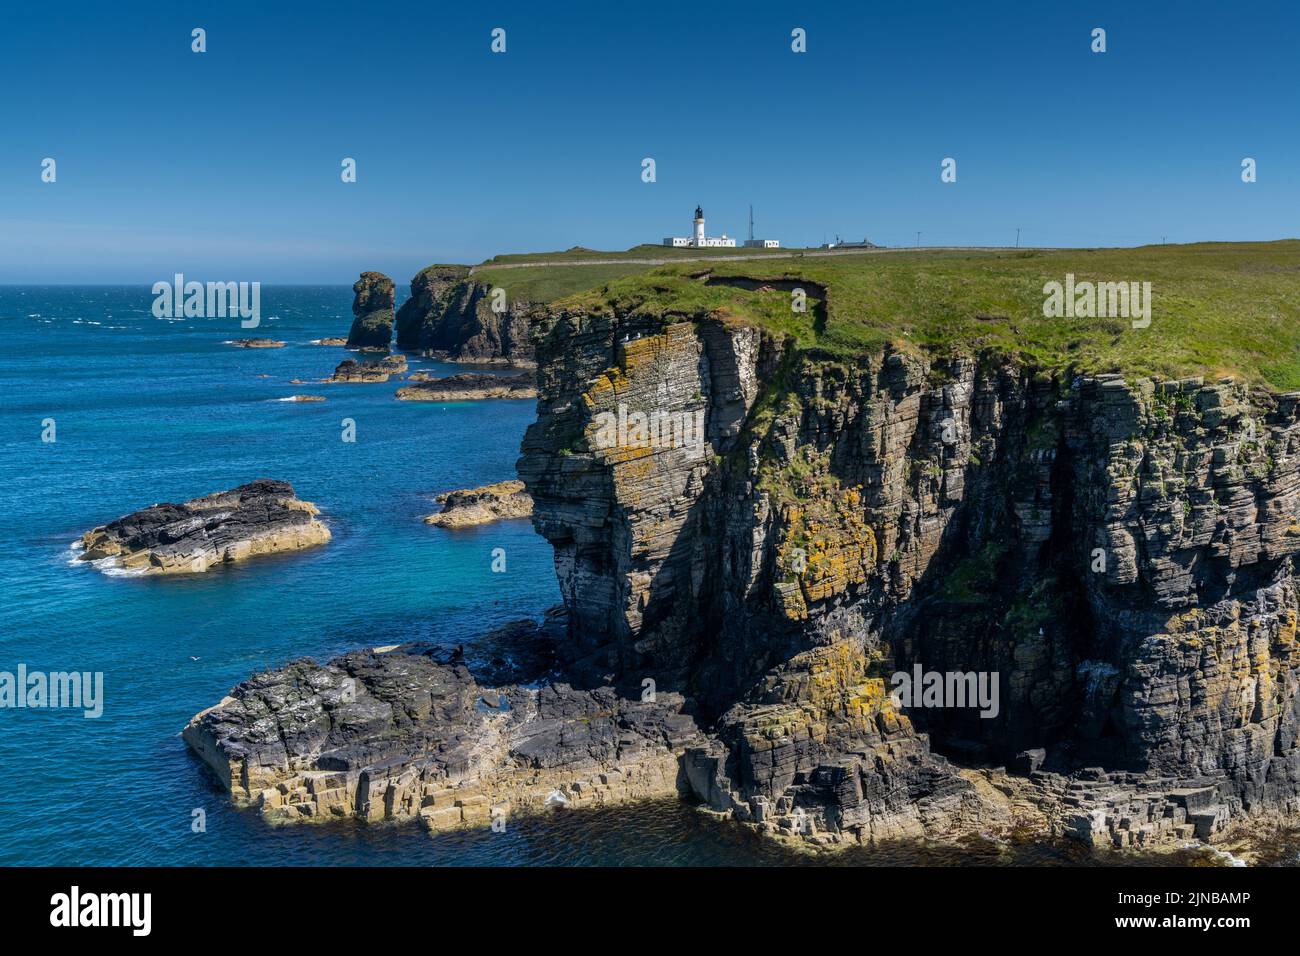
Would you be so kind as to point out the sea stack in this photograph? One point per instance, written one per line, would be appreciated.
(261, 517)
(372, 327)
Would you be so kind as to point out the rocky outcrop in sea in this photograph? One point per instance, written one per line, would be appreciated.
(475, 506)
(350, 370)
(467, 387)
(372, 309)
(261, 517)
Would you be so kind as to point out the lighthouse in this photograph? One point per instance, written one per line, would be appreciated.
(697, 238)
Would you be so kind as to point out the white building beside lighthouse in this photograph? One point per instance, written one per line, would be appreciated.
(697, 239)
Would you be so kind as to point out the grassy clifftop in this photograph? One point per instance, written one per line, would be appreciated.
(542, 284)
(1216, 308)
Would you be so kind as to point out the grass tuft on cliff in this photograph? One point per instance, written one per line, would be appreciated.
(1217, 308)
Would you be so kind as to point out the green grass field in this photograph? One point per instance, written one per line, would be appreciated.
(1217, 308)
(547, 283)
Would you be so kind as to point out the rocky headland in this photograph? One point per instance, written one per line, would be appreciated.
(1117, 552)
(449, 316)
(475, 506)
(372, 310)
(467, 387)
(261, 517)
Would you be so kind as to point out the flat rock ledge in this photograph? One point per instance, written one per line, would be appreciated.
(475, 506)
(406, 733)
(470, 386)
(256, 343)
(261, 517)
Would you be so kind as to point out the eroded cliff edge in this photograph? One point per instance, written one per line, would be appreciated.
(1121, 555)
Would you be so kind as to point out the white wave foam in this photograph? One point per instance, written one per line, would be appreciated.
(110, 566)
(1219, 853)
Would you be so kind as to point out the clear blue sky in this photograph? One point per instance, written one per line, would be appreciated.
(225, 165)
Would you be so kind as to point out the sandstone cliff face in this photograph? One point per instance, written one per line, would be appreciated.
(450, 314)
(372, 308)
(1120, 554)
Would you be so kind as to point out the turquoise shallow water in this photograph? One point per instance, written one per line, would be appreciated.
(149, 410)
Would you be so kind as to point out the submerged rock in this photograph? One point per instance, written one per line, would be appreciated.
(261, 517)
(475, 506)
(470, 386)
(256, 343)
(372, 308)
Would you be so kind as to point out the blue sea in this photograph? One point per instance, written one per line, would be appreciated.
(147, 410)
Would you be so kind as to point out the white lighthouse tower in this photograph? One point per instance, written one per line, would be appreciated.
(698, 239)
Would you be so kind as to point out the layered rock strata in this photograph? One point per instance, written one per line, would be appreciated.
(261, 517)
(475, 506)
(1120, 556)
